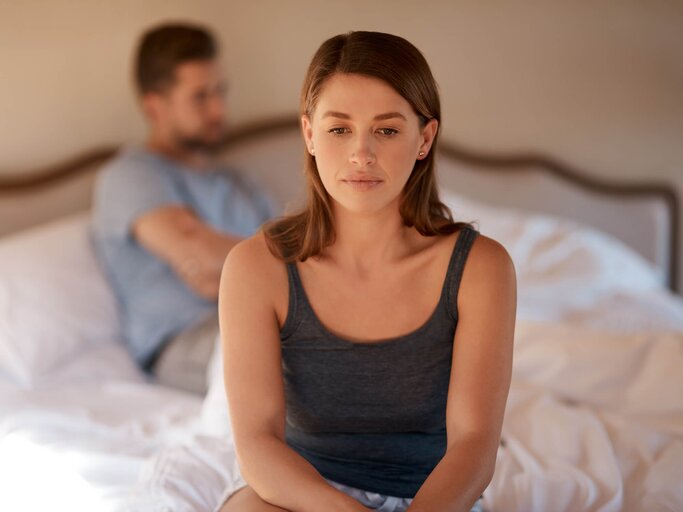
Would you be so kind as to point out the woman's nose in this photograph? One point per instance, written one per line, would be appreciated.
(362, 153)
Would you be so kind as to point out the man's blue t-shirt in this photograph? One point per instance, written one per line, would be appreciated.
(154, 302)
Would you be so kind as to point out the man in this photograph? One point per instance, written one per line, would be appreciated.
(166, 215)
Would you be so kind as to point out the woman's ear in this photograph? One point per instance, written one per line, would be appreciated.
(307, 130)
(428, 133)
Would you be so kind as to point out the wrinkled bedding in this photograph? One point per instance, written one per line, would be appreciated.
(594, 420)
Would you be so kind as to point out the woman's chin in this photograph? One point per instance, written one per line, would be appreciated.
(366, 206)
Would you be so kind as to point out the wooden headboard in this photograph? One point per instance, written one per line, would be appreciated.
(643, 215)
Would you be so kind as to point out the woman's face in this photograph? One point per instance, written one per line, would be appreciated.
(365, 138)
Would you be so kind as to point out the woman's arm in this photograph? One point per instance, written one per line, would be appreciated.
(480, 380)
(254, 386)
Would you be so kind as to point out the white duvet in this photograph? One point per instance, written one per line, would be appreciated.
(594, 418)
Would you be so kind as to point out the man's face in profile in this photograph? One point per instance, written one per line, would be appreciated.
(192, 110)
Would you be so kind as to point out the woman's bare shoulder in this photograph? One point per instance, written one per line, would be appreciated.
(255, 278)
(487, 252)
(488, 265)
(251, 262)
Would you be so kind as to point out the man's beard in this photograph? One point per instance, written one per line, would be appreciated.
(199, 144)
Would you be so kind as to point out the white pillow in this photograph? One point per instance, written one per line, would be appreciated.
(54, 299)
(558, 260)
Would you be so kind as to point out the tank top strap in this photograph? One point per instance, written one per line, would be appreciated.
(296, 300)
(456, 265)
(298, 306)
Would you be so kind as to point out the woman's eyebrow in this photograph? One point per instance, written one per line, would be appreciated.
(390, 115)
(379, 117)
(340, 115)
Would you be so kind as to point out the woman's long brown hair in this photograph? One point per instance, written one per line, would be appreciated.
(398, 63)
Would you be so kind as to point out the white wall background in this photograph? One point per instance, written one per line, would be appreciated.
(597, 84)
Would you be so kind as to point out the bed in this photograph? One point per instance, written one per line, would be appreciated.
(595, 414)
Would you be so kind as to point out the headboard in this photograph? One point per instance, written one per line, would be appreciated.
(643, 215)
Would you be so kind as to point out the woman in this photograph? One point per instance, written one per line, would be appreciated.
(349, 386)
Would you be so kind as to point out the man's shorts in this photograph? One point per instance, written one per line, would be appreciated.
(183, 361)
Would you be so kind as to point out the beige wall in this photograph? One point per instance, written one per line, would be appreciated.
(598, 84)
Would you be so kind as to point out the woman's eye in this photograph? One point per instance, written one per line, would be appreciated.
(338, 131)
(387, 131)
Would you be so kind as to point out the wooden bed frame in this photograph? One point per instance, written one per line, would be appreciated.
(644, 215)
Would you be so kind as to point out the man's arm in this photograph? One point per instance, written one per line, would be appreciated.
(194, 250)
(480, 380)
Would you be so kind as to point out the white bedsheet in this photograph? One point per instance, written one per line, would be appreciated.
(594, 420)
(79, 441)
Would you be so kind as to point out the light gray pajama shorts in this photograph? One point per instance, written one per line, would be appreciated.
(382, 503)
(372, 500)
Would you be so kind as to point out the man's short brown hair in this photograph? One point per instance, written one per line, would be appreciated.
(164, 47)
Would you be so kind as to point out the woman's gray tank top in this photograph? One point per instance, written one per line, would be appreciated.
(371, 415)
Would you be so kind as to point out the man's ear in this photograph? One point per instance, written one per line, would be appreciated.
(307, 130)
(151, 103)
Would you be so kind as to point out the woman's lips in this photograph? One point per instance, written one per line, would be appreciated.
(362, 183)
